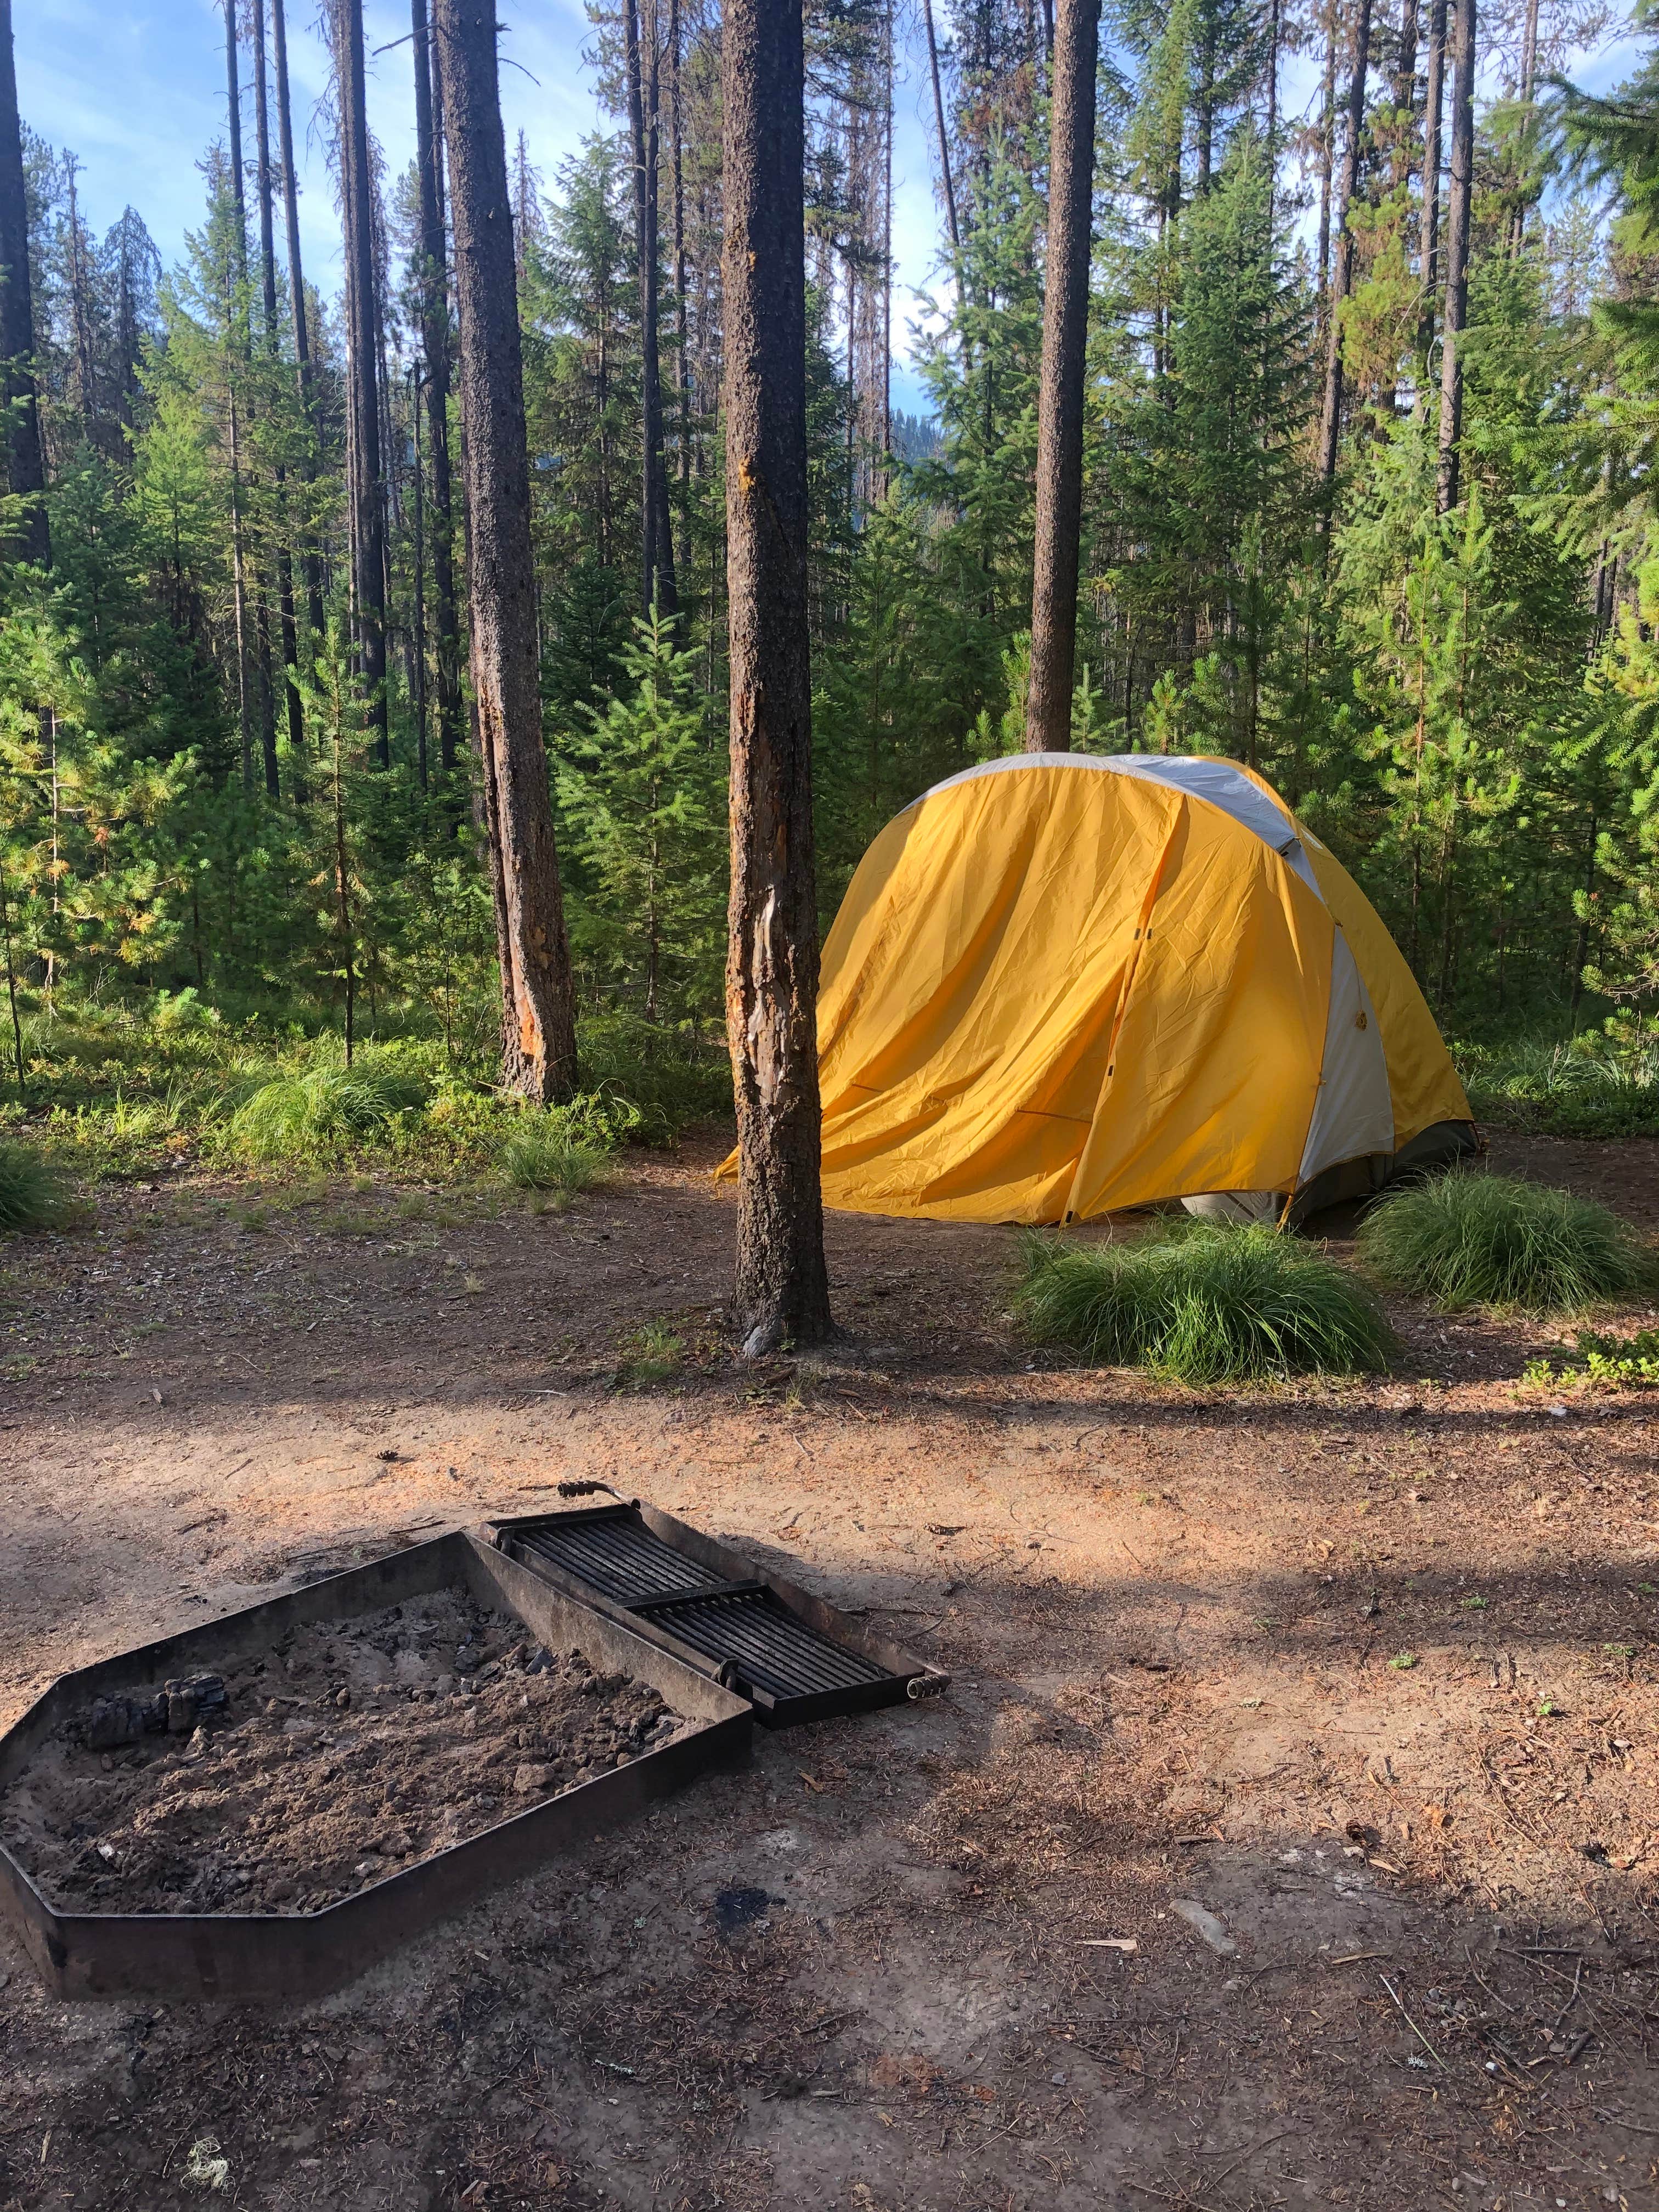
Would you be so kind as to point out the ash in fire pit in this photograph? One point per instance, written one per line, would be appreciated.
(343, 1751)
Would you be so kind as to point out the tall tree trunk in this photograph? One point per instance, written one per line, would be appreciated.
(20, 417)
(418, 638)
(311, 567)
(296, 728)
(656, 527)
(362, 396)
(538, 1014)
(1457, 251)
(1060, 402)
(80, 316)
(1405, 97)
(1330, 426)
(943, 135)
(1327, 162)
(1428, 239)
(682, 345)
(1528, 85)
(434, 345)
(236, 353)
(783, 1287)
(1204, 124)
(234, 146)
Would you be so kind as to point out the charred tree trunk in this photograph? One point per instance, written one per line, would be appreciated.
(1428, 242)
(19, 422)
(538, 1024)
(782, 1289)
(682, 351)
(296, 728)
(1060, 402)
(363, 394)
(1330, 426)
(1457, 252)
(656, 530)
(434, 345)
(311, 567)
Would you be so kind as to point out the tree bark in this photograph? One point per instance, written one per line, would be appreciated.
(656, 532)
(311, 567)
(943, 135)
(1405, 96)
(19, 424)
(782, 1289)
(1428, 242)
(538, 1015)
(1330, 426)
(296, 728)
(1327, 162)
(1457, 252)
(1060, 401)
(363, 394)
(435, 346)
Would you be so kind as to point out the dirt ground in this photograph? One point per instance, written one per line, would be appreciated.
(1289, 1835)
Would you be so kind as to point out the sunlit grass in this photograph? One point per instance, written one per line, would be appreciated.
(1202, 1302)
(1469, 1239)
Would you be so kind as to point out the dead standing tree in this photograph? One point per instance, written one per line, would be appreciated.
(1060, 401)
(782, 1291)
(644, 132)
(362, 386)
(19, 424)
(538, 1020)
(1458, 203)
(1330, 421)
(435, 346)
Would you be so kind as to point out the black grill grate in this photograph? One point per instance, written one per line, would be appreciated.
(772, 1649)
(617, 1554)
(793, 1657)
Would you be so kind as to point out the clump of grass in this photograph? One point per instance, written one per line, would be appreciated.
(1203, 1302)
(324, 1109)
(1470, 1239)
(651, 1354)
(545, 1153)
(33, 1194)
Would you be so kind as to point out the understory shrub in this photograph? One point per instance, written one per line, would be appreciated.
(1469, 1238)
(1202, 1302)
(1597, 1086)
(33, 1194)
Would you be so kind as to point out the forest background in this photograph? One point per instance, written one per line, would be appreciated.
(242, 837)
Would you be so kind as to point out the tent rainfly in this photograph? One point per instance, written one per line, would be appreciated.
(1060, 985)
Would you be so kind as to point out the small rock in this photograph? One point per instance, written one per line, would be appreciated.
(529, 1781)
(344, 1701)
(1206, 1924)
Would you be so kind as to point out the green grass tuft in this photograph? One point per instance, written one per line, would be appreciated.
(324, 1109)
(1203, 1302)
(33, 1194)
(544, 1153)
(1471, 1239)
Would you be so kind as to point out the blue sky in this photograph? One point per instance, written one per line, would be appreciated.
(137, 90)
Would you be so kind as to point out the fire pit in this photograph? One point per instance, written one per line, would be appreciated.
(265, 1804)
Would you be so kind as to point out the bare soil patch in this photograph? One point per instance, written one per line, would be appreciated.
(347, 1749)
(1365, 1671)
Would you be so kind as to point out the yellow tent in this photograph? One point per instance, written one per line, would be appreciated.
(1060, 985)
